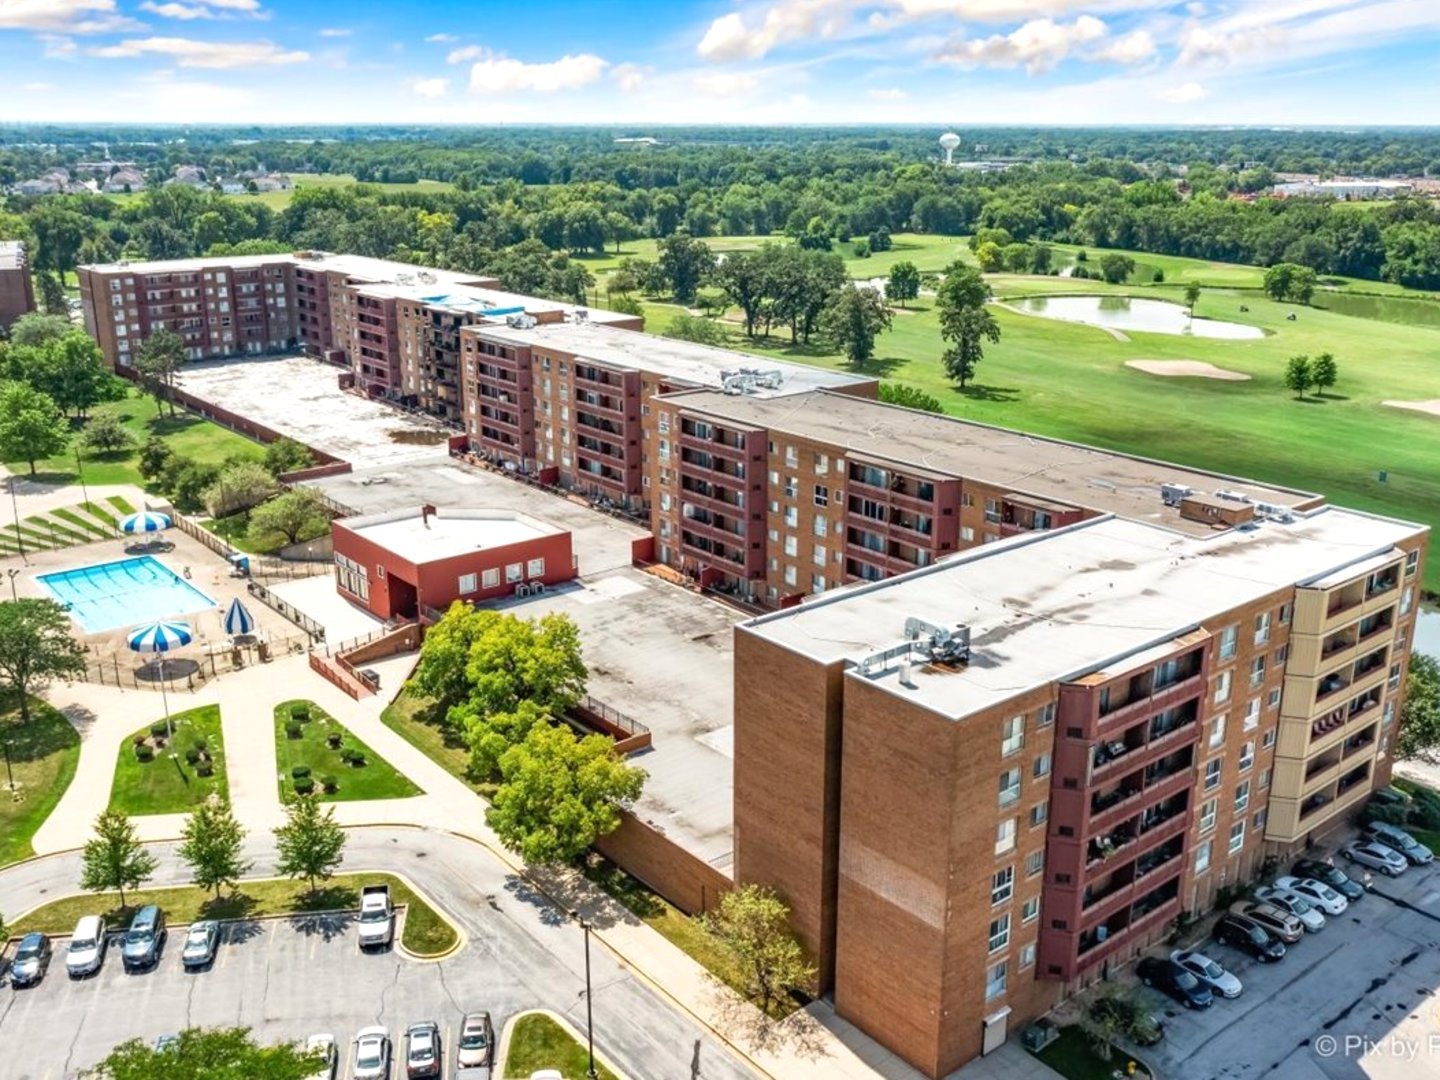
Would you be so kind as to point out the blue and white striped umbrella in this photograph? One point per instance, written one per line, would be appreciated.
(238, 619)
(160, 637)
(146, 521)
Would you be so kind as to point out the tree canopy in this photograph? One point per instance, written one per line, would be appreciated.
(32, 426)
(36, 645)
(207, 1054)
(966, 324)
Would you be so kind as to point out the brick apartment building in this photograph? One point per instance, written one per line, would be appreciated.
(17, 293)
(983, 782)
(394, 325)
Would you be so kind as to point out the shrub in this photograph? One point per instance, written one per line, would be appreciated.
(300, 712)
(159, 727)
(1159, 277)
(330, 784)
(139, 740)
(144, 752)
(352, 757)
(333, 740)
(205, 768)
(304, 785)
(192, 756)
(201, 743)
(293, 729)
(1425, 811)
(300, 771)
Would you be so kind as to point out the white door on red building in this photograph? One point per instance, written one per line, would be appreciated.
(994, 1030)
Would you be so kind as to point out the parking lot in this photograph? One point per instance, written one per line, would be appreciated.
(288, 979)
(1357, 999)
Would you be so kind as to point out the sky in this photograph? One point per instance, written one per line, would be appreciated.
(638, 62)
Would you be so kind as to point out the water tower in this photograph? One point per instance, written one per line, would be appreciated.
(948, 142)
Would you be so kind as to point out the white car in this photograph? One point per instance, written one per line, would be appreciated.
(87, 947)
(372, 1054)
(1208, 972)
(1375, 855)
(1310, 916)
(1317, 892)
(324, 1046)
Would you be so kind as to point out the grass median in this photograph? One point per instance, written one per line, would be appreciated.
(42, 758)
(538, 1042)
(162, 778)
(311, 749)
(425, 932)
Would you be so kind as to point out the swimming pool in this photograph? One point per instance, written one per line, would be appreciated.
(124, 593)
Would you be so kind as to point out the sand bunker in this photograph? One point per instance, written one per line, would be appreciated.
(1432, 406)
(1198, 369)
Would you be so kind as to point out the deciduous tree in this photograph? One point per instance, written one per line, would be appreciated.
(903, 283)
(240, 486)
(311, 844)
(854, 319)
(207, 1054)
(157, 360)
(287, 455)
(1116, 268)
(211, 844)
(296, 515)
(755, 923)
(36, 646)
(685, 262)
(105, 434)
(114, 858)
(1324, 373)
(31, 425)
(966, 323)
(1192, 297)
(909, 396)
(1299, 376)
(1419, 736)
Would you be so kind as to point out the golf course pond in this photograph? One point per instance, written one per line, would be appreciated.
(1132, 313)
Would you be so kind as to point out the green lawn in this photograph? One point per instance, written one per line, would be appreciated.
(426, 931)
(1072, 1056)
(166, 784)
(410, 716)
(538, 1042)
(189, 436)
(376, 779)
(43, 756)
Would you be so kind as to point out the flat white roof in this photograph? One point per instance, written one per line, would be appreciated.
(684, 362)
(1054, 606)
(12, 255)
(421, 538)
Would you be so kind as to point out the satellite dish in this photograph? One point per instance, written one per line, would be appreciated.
(948, 142)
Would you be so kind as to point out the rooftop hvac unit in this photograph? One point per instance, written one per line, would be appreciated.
(522, 590)
(427, 277)
(1233, 496)
(1172, 494)
(581, 314)
(520, 322)
(1274, 511)
(939, 644)
(405, 278)
(537, 587)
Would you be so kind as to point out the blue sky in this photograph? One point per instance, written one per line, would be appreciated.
(774, 61)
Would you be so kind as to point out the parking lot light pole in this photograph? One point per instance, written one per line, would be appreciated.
(13, 575)
(589, 1012)
(15, 506)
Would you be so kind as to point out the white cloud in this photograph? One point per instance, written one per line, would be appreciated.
(630, 77)
(205, 9)
(1129, 48)
(730, 38)
(499, 74)
(1185, 93)
(441, 39)
(430, 88)
(1281, 30)
(725, 84)
(1039, 45)
(38, 87)
(58, 46)
(889, 93)
(69, 16)
(465, 52)
(204, 54)
(336, 32)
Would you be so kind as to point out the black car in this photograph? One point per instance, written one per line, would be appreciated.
(1249, 936)
(1330, 874)
(1170, 978)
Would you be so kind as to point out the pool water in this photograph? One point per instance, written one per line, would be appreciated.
(124, 593)
(1132, 313)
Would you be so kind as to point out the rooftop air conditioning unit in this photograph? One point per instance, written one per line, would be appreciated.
(1233, 496)
(1172, 494)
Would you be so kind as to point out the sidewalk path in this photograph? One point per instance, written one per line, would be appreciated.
(813, 1043)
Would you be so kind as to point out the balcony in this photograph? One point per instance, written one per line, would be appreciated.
(1115, 842)
(714, 496)
(603, 403)
(1154, 698)
(712, 446)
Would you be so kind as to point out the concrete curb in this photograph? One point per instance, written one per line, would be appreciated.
(502, 1051)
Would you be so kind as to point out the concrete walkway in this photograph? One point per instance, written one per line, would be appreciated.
(811, 1044)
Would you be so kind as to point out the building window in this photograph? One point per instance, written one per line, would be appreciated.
(490, 578)
(1012, 736)
(1263, 781)
(995, 981)
(819, 555)
(535, 568)
(1262, 628)
(1030, 910)
(822, 463)
(1228, 637)
(999, 935)
(992, 511)
(1042, 766)
(819, 525)
(1217, 731)
(1207, 814)
(1282, 654)
(792, 517)
(791, 487)
(1242, 796)
(1034, 863)
(1222, 688)
(1202, 857)
(817, 583)
(791, 575)
(1038, 813)
(1252, 714)
(1257, 672)
(1045, 716)
(1237, 837)
(1272, 699)
(514, 573)
(967, 534)
(792, 546)
(1027, 956)
(1002, 885)
(1287, 612)
(1407, 598)
(1213, 768)
(1268, 739)
(1261, 816)
(1010, 787)
(467, 583)
(1247, 756)
(822, 495)
(1005, 836)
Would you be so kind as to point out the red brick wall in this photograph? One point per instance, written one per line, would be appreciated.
(687, 882)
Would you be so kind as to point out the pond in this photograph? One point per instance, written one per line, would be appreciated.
(1427, 632)
(1395, 309)
(1131, 313)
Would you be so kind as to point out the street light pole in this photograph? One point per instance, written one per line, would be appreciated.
(15, 506)
(589, 1011)
(80, 473)
(13, 575)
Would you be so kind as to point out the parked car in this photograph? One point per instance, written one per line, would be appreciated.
(422, 1050)
(372, 1054)
(32, 960)
(1397, 839)
(1277, 920)
(1318, 893)
(87, 947)
(324, 1047)
(1170, 978)
(377, 918)
(1376, 856)
(144, 939)
(201, 942)
(476, 1042)
(1208, 972)
(1311, 917)
(1246, 934)
(1350, 885)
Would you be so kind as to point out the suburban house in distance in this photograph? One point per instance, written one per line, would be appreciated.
(17, 293)
(398, 564)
